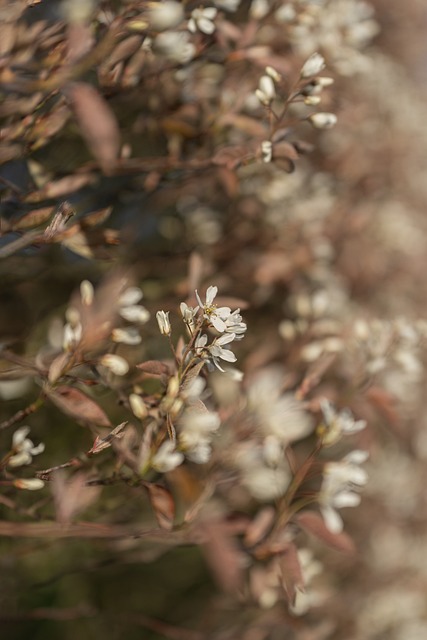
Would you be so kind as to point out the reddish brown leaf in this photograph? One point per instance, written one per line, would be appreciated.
(76, 404)
(163, 505)
(259, 526)
(34, 218)
(291, 571)
(222, 554)
(97, 122)
(313, 523)
(154, 368)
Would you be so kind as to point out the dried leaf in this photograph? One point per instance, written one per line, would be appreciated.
(78, 405)
(260, 526)
(97, 122)
(222, 554)
(163, 505)
(313, 523)
(154, 368)
(34, 218)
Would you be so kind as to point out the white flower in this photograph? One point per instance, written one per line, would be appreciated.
(163, 322)
(266, 91)
(338, 490)
(72, 336)
(166, 458)
(313, 66)
(264, 477)
(176, 46)
(337, 424)
(279, 414)
(203, 20)
(188, 315)
(116, 364)
(195, 432)
(23, 448)
(323, 120)
(217, 350)
(217, 316)
(129, 309)
(129, 335)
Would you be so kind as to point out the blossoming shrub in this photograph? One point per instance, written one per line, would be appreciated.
(204, 159)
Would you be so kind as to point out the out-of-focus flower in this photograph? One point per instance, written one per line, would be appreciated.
(127, 335)
(203, 20)
(313, 66)
(278, 414)
(23, 448)
(323, 120)
(338, 490)
(337, 424)
(266, 477)
(166, 458)
(195, 432)
(163, 322)
(175, 45)
(116, 364)
(73, 330)
(165, 15)
(129, 309)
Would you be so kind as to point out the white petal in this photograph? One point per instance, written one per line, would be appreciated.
(130, 296)
(227, 355)
(19, 436)
(346, 499)
(332, 518)
(116, 364)
(211, 295)
(135, 313)
(206, 26)
(218, 324)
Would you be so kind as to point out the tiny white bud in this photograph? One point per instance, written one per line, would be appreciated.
(323, 120)
(313, 65)
(86, 292)
(163, 322)
(116, 364)
(312, 101)
(275, 75)
(138, 406)
(267, 150)
(266, 86)
(30, 484)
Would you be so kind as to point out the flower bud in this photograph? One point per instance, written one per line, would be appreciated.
(163, 322)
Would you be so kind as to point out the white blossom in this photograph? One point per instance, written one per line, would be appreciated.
(337, 424)
(129, 309)
(23, 448)
(338, 490)
(162, 318)
(203, 20)
(87, 292)
(116, 364)
(128, 335)
(166, 458)
(176, 46)
(195, 432)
